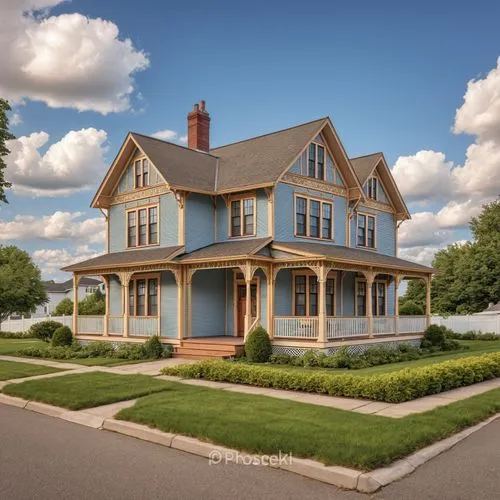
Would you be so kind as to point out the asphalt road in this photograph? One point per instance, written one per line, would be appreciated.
(47, 458)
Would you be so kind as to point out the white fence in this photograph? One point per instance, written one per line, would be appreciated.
(384, 325)
(143, 326)
(24, 324)
(296, 326)
(337, 328)
(412, 324)
(91, 325)
(486, 323)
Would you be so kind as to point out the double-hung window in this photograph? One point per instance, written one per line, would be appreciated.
(316, 161)
(366, 231)
(306, 295)
(378, 292)
(141, 171)
(142, 227)
(242, 217)
(313, 218)
(143, 297)
(373, 188)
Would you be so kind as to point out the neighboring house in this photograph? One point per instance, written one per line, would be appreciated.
(282, 230)
(490, 310)
(56, 292)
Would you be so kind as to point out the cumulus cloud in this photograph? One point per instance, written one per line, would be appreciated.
(422, 229)
(421, 255)
(51, 260)
(457, 215)
(68, 166)
(15, 119)
(66, 61)
(170, 136)
(57, 226)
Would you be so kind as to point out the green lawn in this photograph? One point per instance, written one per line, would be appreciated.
(10, 347)
(476, 347)
(86, 390)
(259, 424)
(13, 369)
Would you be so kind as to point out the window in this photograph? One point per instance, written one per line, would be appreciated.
(372, 188)
(306, 295)
(243, 217)
(366, 231)
(142, 227)
(141, 170)
(378, 293)
(316, 161)
(313, 218)
(143, 297)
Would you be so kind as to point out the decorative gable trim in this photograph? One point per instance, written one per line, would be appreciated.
(316, 184)
(138, 194)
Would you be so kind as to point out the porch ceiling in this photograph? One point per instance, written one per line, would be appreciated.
(349, 256)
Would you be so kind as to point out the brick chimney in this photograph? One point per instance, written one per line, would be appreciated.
(199, 128)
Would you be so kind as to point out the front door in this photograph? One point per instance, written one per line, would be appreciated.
(241, 307)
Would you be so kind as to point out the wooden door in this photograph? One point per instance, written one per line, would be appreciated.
(242, 303)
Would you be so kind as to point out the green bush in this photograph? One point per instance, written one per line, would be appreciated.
(471, 335)
(280, 359)
(395, 387)
(44, 330)
(153, 348)
(258, 346)
(435, 335)
(62, 337)
(99, 349)
(411, 308)
(16, 335)
(64, 308)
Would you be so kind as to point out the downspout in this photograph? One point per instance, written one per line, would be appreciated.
(106, 217)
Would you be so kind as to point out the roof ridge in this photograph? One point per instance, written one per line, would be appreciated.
(365, 156)
(270, 133)
(174, 144)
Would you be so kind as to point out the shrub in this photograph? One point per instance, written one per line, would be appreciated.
(44, 330)
(15, 335)
(395, 387)
(64, 308)
(153, 348)
(434, 335)
(99, 349)
(130, 351)
(62, 337)
(258, 346)
(411, 308)
(280, 359)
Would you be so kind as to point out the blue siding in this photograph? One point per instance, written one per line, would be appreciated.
(385, 230)
(126, 182)
(285, 210)
(115, 296)
(168, 220)
(263, 297)
(390, 299)
(348, 294)
(199, 223)
(168, 306)
(230, 301)
(208, 303)
(283, 293)
(381, 194)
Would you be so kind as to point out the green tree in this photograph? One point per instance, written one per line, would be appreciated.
(21, 288)
(93, 304)
(5, 136)
(64, 308)
(415, 292)
(410, 308)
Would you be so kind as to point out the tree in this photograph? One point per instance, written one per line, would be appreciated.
(5, 136)
(415, 293)
(92, 304)
(21, 288)
(64, 308)
(410, 308)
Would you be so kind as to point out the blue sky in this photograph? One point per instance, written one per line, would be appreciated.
(389, 74)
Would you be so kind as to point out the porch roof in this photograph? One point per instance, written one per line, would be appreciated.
(351, 255)
(229, 249)
(128, 257)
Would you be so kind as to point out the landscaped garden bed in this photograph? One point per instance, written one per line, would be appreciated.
(86, 390)
(13, 369)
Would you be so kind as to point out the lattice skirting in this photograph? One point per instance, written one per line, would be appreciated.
(353, 349)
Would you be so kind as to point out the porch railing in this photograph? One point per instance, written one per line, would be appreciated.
(296, 327)
(143, 326)
(115, 325)
(384, 325)
(91, 325)
(412, 324)
(337, 328)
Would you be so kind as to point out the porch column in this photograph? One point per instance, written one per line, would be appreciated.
(105, 279)
(76, 281)
(397, 281)
(248, 304)
(179, 278)
(125, 282)
(271, 282)
(322, 305)
(428, 300)
(370, 277)
(189, 299)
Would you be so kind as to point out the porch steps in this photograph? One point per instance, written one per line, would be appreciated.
(206, 349)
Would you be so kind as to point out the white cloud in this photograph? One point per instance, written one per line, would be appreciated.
(421, 255)
(422, 229)
(66, 61)
(480, 113)
(170, 136)
(75, 163)
(15, 119)
(51, 260)
(58, 226)
(457, 215)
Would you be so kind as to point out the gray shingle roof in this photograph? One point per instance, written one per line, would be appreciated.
(50, 286)
(363, 165)
(142, 256)
(340, 253)
(236, 248)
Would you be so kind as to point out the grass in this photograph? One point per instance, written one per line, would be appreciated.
(13, 369)
(476, 347)
(12, 347)
(86, 390)
(259, 424)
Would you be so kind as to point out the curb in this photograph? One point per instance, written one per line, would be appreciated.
(342, 477)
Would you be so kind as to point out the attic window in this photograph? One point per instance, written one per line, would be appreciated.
(316, 161)
(141, 169)
(372, 188)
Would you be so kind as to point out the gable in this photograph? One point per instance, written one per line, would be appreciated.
(381, 191)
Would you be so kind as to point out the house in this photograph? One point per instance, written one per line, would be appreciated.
(492, 309)
(56, 292)
(282, 230)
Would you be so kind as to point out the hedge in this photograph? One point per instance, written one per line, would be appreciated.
(395, 387)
